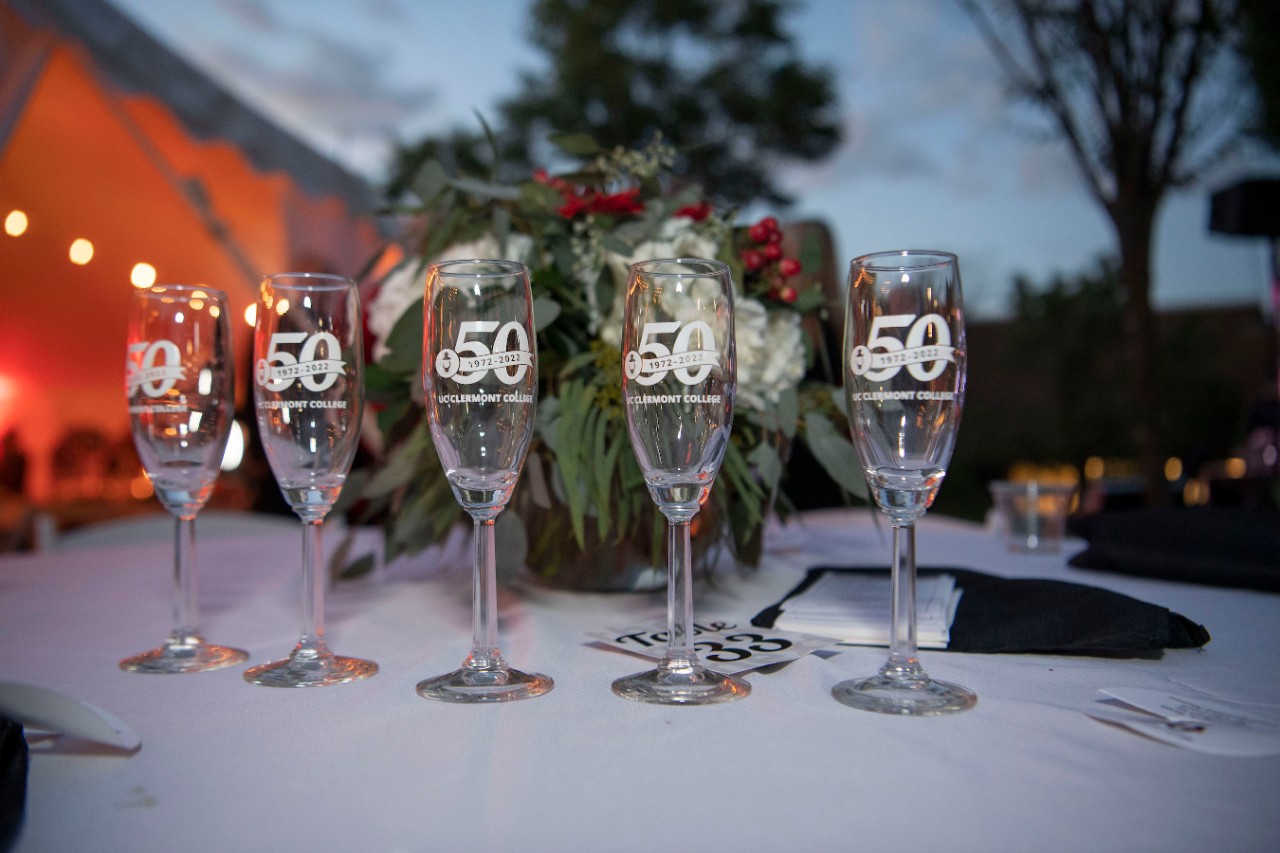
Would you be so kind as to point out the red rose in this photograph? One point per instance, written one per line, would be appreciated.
(697, 212)
(752, 260)
(573, 205)
(789, 267)
(771, 251)
(625, 203)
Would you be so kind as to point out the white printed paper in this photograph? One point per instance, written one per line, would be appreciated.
(1205, 725)
(854, 608)
(722, 645)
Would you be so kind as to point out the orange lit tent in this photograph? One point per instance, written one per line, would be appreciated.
(107, 136)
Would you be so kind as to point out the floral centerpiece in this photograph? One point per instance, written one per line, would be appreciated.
(581, 515)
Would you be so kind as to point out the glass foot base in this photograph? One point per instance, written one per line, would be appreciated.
(684, 686)
(915, 698)
(310, 670)
(192, 654)
(470, 686)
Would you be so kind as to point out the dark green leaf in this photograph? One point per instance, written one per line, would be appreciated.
(405, 342)
(511, 544)
(835, 454)
(485, 190)
(358, 569)
(809, 299)
(403, 464)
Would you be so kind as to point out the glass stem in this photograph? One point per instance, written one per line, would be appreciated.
(484, 600)
(680, 653)
(184, 579)
(903, 661)
(313, 583)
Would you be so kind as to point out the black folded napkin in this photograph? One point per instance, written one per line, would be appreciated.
(1004, 615)
(1217, 546)
(13, 781)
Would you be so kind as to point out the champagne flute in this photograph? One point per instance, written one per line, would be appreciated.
(308, 391)
(480, 375)
(178, 377)
(904, 378)
(678, 387)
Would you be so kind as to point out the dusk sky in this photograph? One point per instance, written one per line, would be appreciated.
(933, 155)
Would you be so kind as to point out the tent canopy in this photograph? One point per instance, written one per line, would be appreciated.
(107, 136)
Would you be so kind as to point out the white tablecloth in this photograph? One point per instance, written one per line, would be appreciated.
(370, 766)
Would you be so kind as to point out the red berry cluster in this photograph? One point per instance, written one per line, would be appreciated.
(578, 200)
(762, 257)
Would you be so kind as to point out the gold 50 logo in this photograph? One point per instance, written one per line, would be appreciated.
(883, 356)
(153, 367)
(651, 361)
(316, 365)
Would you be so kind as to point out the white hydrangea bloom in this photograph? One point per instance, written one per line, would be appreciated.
(770, 349)
(677, 238)
(403, 286)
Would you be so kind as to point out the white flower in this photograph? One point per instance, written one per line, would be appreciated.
(677, 238)
(770, 349)
(403, 286)
(400, 289)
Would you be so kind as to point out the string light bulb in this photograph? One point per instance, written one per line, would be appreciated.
(15, 224)
(81, 251)
(143, 275)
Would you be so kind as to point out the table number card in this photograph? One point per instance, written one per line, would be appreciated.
(727, 646)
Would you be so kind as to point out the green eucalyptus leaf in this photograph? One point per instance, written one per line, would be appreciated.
(768, 464)
(564, 258)
(575, 144)
(835, 454)
(545, 312)
(782, 417)
(788, 412)
(617, 245)
(429, 181)
(540, 197)
(547, 424)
